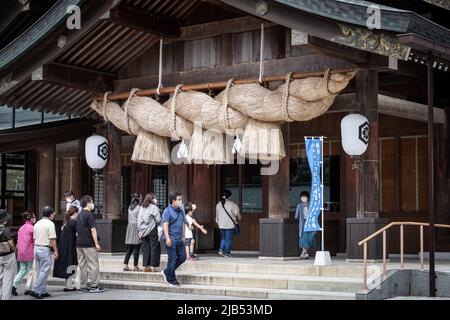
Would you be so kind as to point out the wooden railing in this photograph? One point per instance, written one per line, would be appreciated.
(383, 231)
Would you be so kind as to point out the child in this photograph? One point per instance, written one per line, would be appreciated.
(190, 242)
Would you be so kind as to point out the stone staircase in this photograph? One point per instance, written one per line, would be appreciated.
(243, 278)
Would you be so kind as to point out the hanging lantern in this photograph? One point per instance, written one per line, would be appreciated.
(96, 150)
(355, 134)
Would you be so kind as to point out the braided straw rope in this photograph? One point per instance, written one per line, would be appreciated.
(125, 108)
(226, 117)
(173, 118)
(326, 80)
(285, 98)
(105, 100)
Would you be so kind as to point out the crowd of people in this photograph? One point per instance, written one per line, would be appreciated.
(75, 255)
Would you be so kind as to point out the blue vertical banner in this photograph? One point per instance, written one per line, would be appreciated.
(314, 154)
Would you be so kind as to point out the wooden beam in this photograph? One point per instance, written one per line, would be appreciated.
(45, 51)
(144, 21)
(216, 28)
(390, 106)
(308, 63)
(28, 138)
(74, 77)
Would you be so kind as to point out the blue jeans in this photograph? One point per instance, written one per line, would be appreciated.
(43, 258)
(226, 236)
(176, 256)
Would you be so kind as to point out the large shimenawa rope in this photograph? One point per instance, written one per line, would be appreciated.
(285, 98)
(226, 118)
(105, 100)
(125, 108)
(173, 120)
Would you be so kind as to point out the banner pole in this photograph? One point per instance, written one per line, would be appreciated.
(323, 217)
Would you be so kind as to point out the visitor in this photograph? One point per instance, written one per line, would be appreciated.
(190, 225)
(8, 264)
(44, 240)
(132, 241)
(25, 249)
(88, 247)
(227, 216)
(68, 249)
(148, 220)
(173, 219)
(306, 239)
(71, 201)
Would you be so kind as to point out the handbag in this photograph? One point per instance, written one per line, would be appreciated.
(4, 245)
(31, 278)
(237, 229)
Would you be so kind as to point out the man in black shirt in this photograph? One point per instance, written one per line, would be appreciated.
(8, 264)
(88, 247)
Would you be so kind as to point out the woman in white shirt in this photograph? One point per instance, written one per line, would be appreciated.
(227, 216)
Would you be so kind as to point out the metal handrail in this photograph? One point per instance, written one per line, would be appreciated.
(383, 231)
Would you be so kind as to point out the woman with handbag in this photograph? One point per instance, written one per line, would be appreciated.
(132, 240)
(227, 217)
(149, 219)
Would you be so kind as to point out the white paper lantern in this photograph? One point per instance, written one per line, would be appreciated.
(355, 134)
(96, 150)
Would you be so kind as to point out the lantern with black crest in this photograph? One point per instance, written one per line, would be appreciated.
(355, 132)
(96, 150)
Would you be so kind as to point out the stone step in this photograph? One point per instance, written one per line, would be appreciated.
(227, 265)
(247, 280)
(238, 292)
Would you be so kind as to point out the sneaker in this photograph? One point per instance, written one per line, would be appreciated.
(83, 290)
(220, 253)
(164, 276)
(126, 269)
(227, 255)
(69, 290)
(96, 290)
(194, 257)
(14, 291)
(36, 295)
(46, 295)
(137, 269)
(147, 269)
(27, 292)
(174, 283)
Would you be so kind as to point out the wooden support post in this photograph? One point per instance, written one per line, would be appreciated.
(369, 221)
(178, 176)
(140, 178)
(46, 177)
(278, 234)
(367, 99)
(113, 168)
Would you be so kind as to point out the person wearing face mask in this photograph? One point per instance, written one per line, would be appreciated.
(25, 249)
(88, 247)
(71, 201)
(149, 219)
(306, 239)
(132, 240)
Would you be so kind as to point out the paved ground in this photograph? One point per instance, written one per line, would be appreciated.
(115, 294)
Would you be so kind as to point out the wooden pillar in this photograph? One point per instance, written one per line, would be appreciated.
(279, 184)
(278, 236)
(369, 188)
(367, 99)
(113, 168)
(85, 171)
(178, 179)
(140, 178)
(31, 181)
(46, 177)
